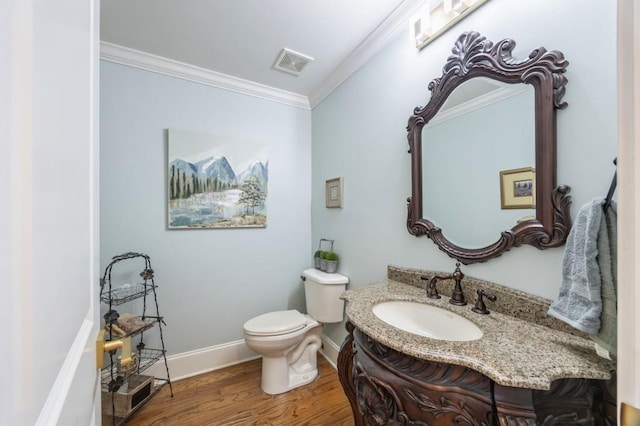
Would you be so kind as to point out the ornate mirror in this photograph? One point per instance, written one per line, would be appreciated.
(483, 152)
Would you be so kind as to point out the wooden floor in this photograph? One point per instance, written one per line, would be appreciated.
(232, 396)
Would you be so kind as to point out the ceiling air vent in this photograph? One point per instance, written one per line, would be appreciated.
(291, 62)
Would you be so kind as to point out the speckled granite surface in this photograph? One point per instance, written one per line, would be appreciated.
(512, 352)
(509, 301)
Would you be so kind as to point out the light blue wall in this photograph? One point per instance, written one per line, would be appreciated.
(210, 281)
(359, 133)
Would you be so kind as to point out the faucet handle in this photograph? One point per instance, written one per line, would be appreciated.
(432, 291)
(480, 307)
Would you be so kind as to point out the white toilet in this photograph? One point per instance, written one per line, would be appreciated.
(289, 341)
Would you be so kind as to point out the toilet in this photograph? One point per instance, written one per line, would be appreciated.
(289, 340)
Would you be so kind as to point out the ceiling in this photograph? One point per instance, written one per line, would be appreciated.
(242, 38)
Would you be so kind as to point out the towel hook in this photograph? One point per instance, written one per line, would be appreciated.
(612, 188)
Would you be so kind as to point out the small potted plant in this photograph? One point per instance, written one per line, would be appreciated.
(332, 259)
(316, 259)
(323, 261)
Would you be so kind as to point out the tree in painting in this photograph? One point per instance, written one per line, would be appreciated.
(252, 195)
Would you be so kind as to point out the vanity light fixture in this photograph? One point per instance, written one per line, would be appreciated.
(421, 25)
(429, 23)
(456, 6)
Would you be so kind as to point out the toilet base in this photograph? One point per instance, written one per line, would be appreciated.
(303, 378)
(278, 377)
(298, 368)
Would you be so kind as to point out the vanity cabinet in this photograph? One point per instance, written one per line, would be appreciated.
(387, 387)
(126, 386)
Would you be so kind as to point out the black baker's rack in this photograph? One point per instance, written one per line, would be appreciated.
(112, 379)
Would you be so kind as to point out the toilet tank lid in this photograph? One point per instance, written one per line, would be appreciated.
(324, 278)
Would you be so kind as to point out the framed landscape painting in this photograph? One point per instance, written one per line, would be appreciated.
(215, 182)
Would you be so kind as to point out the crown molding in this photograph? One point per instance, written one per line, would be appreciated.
(392, 26)
(477, 103)
(160, 65)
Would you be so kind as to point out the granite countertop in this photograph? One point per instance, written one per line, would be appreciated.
(511, 352)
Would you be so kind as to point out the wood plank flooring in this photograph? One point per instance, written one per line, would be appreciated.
(232, 396)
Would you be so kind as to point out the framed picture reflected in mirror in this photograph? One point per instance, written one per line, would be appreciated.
(518, 188)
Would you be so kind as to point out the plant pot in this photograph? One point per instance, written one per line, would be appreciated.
(332, 266)
(316, 262)
(323, 265)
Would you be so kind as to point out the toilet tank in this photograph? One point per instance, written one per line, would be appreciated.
(322, 293)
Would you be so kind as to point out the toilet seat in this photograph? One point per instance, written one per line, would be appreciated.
(275, 323)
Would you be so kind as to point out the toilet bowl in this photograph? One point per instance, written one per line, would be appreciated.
(288, 347)
(289, 340)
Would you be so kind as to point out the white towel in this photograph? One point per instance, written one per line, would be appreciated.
(579, 302)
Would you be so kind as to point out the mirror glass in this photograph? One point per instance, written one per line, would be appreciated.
(483, 152)
(458, 144)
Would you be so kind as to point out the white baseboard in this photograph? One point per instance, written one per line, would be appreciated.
(330, 350)
(200, 361)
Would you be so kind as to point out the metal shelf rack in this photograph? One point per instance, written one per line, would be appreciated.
(113, 378)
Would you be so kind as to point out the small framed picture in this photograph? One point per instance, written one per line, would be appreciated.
(334, 193)
(518, 188)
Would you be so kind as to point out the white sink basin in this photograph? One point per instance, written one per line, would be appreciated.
(427, 320)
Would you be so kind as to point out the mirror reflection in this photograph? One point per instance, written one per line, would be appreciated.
(458, 143)
(483, 152)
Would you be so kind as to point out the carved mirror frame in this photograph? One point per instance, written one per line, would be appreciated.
(474, 56)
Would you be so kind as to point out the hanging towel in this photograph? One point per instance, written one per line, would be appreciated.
(579, 302)
(608, 264)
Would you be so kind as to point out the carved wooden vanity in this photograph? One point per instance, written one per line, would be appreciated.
(518, 373)
(385, 387)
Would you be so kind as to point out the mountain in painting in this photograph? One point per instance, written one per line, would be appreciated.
(216, 168)
(256, 169)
